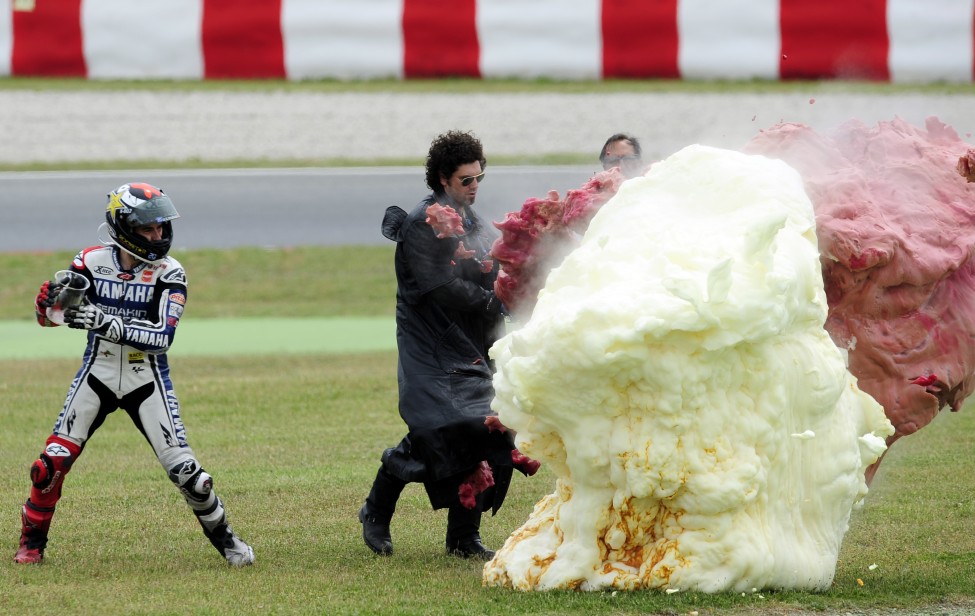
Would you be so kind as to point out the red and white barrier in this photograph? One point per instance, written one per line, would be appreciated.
(882, 40)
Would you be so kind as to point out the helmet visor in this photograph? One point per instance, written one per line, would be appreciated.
(159, 209)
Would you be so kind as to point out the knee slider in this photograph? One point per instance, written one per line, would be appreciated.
(51, 466)
(194, 482)
(41, 472)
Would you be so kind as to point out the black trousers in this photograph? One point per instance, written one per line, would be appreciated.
(462, 523)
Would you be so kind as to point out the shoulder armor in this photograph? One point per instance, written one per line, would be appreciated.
(176, 276)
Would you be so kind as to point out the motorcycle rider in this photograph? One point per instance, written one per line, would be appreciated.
(135, 298)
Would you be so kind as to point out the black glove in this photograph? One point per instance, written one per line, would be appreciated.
(89, 316)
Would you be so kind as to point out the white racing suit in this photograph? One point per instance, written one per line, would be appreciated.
(132, 374)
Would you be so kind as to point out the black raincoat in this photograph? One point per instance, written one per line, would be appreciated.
(447, 318)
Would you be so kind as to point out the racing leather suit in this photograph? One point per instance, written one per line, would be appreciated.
(131, 374)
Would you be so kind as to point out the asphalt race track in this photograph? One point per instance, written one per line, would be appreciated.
(321, 206)
(44, 211)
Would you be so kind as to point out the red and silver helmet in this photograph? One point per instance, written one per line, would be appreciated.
(136, 205)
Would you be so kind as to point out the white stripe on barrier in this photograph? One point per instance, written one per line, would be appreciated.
(728, 40)
(930, 41)
(542, 38)
(6, 36)
(342, 39)
(148, 39)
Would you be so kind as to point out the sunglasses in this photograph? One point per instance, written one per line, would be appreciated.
(609, 163)
(466, 181)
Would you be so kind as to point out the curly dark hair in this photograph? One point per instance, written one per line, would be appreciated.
(448, 152)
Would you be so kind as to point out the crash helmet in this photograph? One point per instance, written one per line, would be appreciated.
(136, 205)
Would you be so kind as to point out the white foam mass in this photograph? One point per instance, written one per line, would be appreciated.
(676, 377)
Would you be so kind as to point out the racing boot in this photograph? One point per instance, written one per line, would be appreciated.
(237, 553)
(196, 485)
(28, 553)
(35, 523)
(47, 475)
(377, 512)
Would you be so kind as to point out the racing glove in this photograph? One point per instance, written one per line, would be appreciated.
(89, 316)
(46, 298)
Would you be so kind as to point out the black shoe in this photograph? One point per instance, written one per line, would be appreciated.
(375, 532)
(469, 548)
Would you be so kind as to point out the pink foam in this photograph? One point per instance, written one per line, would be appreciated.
(534, 239)
(896, 227)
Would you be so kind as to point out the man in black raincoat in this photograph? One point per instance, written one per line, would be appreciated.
(447, 318)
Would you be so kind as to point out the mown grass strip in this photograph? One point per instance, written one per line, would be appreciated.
(293, 442)
(220, 337)
(314, 281)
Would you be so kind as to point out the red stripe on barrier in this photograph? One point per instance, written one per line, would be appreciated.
(440, 39)
(834, 39)
(47, 40)
(640, 38)
(242, 40)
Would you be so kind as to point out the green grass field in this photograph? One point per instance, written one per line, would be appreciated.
(293, 438)
(286, 300)
(293, 441)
